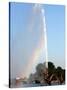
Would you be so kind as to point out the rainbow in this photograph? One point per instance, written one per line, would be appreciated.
(35, 56)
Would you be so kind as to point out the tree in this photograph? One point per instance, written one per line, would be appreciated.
(51, 68)
(61, 74)
(52, 73)
(39, 68)
(59, 71)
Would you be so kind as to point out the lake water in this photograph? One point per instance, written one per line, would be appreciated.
(31, 85)
(27, 84)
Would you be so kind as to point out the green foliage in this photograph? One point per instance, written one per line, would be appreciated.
(51, 68)
(63, 74)
(59, 71)
(39, 69)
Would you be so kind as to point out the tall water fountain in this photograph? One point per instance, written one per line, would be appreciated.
(43, 29)
(40, 52)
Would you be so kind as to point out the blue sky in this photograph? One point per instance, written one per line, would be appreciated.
(24, 40)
